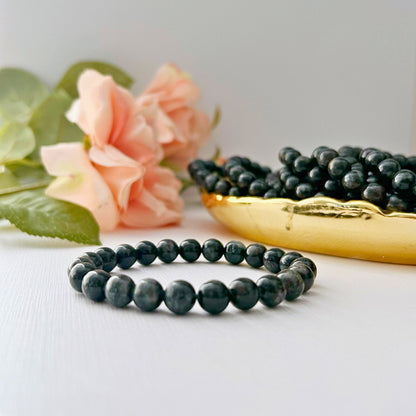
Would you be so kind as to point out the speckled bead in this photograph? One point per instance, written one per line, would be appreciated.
(244, 293)
(93, 285)
(293, 283)
(213, 296)
(308, 262)
(212, 250)
(190, 250)
(108, 258)
(306, 273)
(146, 253)
(148, 295)
(167, 250)
(254, 255)
(95, 258)
(234, 252)
(271, 259)
(119, 290)
(288, 258)
(271, 290)
(77, 273)
(180, 297)
(126, 256)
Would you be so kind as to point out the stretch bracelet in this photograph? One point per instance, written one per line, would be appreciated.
(292, 275)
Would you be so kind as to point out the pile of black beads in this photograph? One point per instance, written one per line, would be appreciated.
(349, 173)
(292, 275)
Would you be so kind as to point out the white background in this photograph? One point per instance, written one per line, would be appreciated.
(298, 72)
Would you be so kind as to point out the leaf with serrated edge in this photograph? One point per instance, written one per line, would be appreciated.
(70, 78)
(37, 214)
(20, 93)
(16, 142)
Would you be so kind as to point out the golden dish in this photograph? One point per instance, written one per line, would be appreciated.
(356, 229)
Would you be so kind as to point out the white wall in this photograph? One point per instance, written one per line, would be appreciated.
(294, 72)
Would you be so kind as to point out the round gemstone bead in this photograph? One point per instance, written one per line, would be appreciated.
(108, 258)
(213, 297)
(77, 273)
(293, 283)
(95, 258)
(148, 295)
(167, 250)
(210, 181)
(190, 250)
(93, 285)
(306, 273)
(388, 168)
(180, 297)
(288, 258)
(308, 262)
(234, 191)
(258, 187)
(245, 179)
(254, 255)
(212, 250)
(271, 290)
(234, 252)
(81, 259)
(222, 187)
(301, 165)
(271, 193)
(353, 181)
(338, 167)
(119, 290)
(146, 252)
(374, 193)
(126, 256)
(403, 181)
(325, 157)
(271, 259)
(244, 293)
(304, 190)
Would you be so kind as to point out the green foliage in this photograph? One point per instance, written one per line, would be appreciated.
(70, 78)
(37, 214)
(216, 118)
(16, 142)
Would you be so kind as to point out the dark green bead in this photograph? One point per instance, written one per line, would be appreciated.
(254, 255)
(271, 259)
(306, 273)
(108, 257)
(293, 283)
(77, 273)
(126, 256)
(271, 290)
(244, 293)
(308, 262)
(212, 250)
(234, 252)
(148, 295)
(180, 297)
(146, 252)
(95, 258)
(190, 250)
(81, 259)
(119, 290)
(93, 285)
(213, 297)
(288, 258)
(167, 250)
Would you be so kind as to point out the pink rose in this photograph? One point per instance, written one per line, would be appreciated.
(119, 179)
(182, 128)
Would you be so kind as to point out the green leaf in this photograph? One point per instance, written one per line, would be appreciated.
(7, 179)
(37, 214)
(216, 118)
(20, 93)
(70, 78)
(217, 154)
(46, 119)
(16, 142)
(69, 132)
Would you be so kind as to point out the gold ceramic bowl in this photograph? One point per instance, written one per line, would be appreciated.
(355, 229)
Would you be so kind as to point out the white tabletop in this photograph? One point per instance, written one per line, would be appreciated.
(346, 348)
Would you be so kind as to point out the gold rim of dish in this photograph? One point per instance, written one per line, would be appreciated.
(357, 229)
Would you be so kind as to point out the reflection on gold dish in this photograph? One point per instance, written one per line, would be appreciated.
(356, 229)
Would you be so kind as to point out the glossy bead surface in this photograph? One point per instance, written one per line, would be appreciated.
(95, 258)
(244, 293)
(77, 273)
(81, 259)
(271, 259)
(293, 283)
(146, 253)
(148, 294)
(338, 167)
(213, 296)
(353, 181)
(180, 297)
(308, 262)
(108, 258)
(126, 256)
(288, 258)
(190, 250)
(306, 273)
(167, 250)
(304, 190)
(119, 290)
(93, 284)
(234, 252)
(258, 187)
(374, 193)
(212, 250)
(271, 290)
(222, 187)
(254, 255)
(403, 181)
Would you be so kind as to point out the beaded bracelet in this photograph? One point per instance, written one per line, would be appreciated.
(90, 274)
